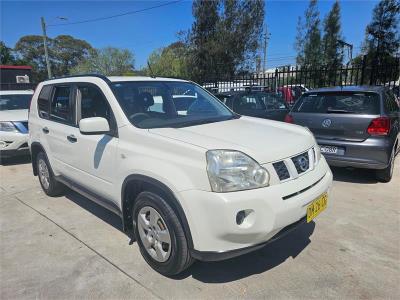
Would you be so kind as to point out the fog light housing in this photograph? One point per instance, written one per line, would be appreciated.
(245, 218)
(240, 217)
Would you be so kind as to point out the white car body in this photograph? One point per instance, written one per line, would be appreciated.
(14, 143)
(176, 157)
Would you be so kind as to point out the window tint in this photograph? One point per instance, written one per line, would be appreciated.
(60, 106)
(93, 103)
(390, 102)
(345, 102)
(44, 101)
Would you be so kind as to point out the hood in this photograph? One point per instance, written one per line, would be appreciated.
(264, 140)
(14, 115)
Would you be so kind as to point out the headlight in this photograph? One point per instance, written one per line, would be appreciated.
(230, 170)
(8, 126)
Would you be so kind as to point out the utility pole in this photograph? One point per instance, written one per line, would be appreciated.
(46, 53)
(266, 38)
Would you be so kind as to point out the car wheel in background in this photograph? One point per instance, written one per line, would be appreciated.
(160, 235)
(385, 175)
(46, 177)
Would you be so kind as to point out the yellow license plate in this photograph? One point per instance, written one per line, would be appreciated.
(315, 207)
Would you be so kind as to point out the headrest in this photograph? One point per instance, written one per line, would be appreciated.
(145, 99)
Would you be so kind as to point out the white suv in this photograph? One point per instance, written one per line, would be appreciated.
(14, 123)
(189, 178)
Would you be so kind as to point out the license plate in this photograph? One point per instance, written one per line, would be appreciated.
(316, 207)
(329, 149)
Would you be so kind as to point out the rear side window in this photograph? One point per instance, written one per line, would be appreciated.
(61, 109)
(343, 102)
(44, 101)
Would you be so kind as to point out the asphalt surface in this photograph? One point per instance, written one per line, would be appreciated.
(69, 247)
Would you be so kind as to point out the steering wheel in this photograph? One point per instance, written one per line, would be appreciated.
(139, 117)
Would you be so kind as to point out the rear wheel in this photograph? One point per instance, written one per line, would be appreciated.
(46, 177)
(160, 235)
(385, 175)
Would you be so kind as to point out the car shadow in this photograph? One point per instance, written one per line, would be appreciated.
(11, 161)
(353, 175)
(260, 261)
(95, 209)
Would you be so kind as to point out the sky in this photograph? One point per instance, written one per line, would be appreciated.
(154, 28)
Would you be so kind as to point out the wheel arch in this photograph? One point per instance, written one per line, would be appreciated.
(136, 183)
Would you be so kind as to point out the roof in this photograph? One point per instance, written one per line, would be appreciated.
(141, 78)
(16, 67)
(16, 92)
(353, 88)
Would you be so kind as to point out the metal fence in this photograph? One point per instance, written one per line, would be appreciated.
(311, 78)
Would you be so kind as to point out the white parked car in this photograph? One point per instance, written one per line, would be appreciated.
(200, 182)
(14, 123)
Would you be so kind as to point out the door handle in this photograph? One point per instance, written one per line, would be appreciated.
(45, 130)
(72, 138)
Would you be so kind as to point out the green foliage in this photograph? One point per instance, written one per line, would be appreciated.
(7, 56)
(224, 37)
(382, 39)
(171, 61)
(65, 52)
(108, 61)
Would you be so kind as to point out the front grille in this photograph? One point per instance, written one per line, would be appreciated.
(281, 170)
(301, 162)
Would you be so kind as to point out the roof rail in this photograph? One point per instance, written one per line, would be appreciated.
(83, 75)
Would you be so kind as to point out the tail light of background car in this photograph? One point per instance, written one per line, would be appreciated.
(289, 119)
(379, 126)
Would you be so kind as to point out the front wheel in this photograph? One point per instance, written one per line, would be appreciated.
(160, 235)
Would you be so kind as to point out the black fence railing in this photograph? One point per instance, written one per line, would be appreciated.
(302, 78)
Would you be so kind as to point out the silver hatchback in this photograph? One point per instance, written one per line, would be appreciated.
(355, 126)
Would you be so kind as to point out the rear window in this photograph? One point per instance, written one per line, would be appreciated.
(344, 102)
(15, 101)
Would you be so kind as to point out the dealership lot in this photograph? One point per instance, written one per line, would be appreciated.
(68, 247)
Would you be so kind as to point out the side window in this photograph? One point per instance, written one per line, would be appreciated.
(44, 101)
(61, 109)
(93, 103)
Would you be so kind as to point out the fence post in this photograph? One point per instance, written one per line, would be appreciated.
(276, 80)
(363, 63)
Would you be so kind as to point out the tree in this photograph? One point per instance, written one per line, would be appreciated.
(6, 55)
(308, 41)
(382, 40)
(171, 61)
(332, 54)
(67, 53)
(107, 61)
(225, 36)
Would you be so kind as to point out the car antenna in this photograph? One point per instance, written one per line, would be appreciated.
(151, 71)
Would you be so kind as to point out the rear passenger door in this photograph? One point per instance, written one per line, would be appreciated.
(95, 153)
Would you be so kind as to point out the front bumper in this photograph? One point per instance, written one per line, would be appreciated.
(13, 144)
(373, 153)
(212, 216)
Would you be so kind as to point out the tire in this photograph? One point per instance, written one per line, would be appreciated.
(47, 179)
(385, 175)
(167, 236)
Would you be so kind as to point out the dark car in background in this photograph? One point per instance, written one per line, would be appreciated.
(355, 126)
(256, 104)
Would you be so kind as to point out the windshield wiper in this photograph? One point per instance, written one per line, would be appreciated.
(338, 111)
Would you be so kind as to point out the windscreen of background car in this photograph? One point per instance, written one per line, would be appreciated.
(273, 101)
(12, 102)
(168, 104)
(343, 102)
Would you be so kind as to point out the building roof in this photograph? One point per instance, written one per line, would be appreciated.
(15, 67)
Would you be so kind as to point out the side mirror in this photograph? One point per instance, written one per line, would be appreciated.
(95, 125)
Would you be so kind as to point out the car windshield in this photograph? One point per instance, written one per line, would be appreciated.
(15, 101)
(343, 102)
(168, 104)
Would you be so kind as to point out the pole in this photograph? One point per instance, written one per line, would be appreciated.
(46, 53)
(265, 49)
